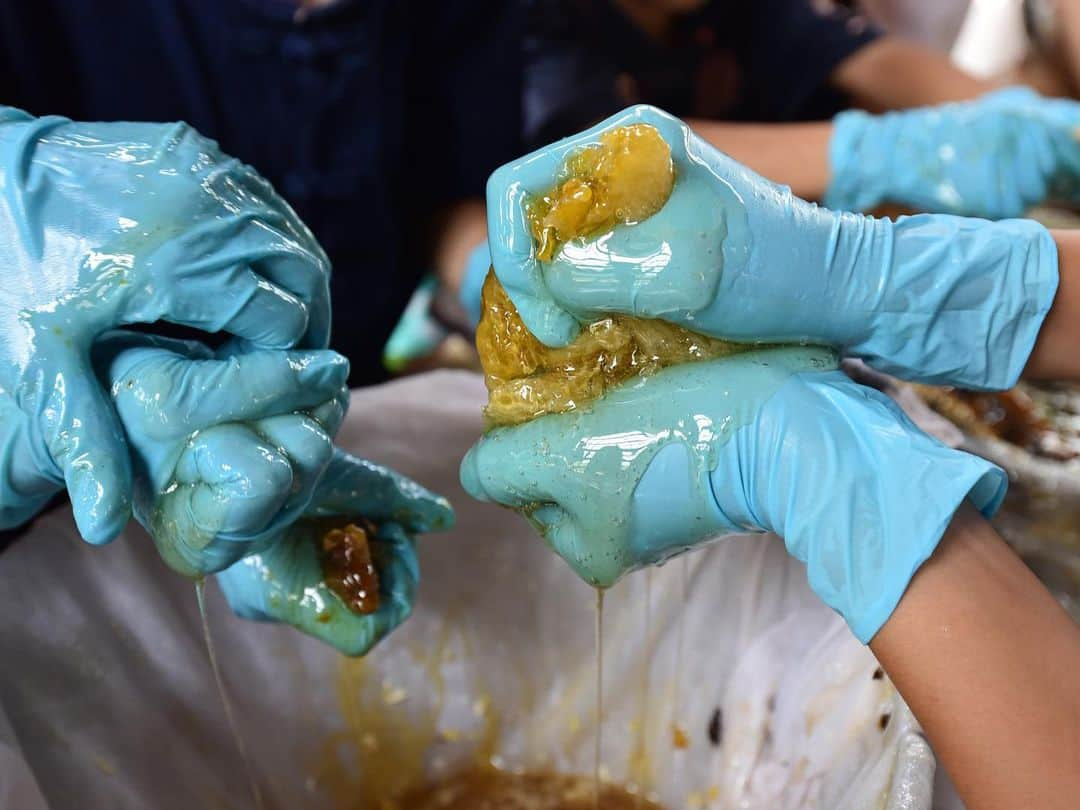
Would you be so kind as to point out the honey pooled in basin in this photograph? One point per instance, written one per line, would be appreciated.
(491, 789)
(625, 179)
(348, 568)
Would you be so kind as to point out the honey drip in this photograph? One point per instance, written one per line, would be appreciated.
(639, 759)
(598, 719)
(226, 704)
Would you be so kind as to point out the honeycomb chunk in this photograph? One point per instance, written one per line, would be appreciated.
(624, 179)
(348, 568)
(526, 379)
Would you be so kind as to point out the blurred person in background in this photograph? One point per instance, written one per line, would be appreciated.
(934, 23)
(779, 61)
(1030, 42)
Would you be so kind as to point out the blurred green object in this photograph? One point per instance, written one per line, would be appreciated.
(417, 334)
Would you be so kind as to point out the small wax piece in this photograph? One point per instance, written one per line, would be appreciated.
(347, 566)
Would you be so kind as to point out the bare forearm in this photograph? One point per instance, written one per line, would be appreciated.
(889, 74)
(987, 660)
(1056, 355)
(892, 74)
(458, 231)
(795, 155)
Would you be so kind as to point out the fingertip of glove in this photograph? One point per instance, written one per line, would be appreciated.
(469, 475)
(99, 520)
(323, 367)
(446, 517)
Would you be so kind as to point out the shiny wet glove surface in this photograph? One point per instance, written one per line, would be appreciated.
(116, 223)
(764, 441)
(284, 581)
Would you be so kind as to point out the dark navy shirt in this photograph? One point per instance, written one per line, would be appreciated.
(366, 115)
(751, 60)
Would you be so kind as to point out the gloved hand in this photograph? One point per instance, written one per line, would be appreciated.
(772, 440)
(227, 447)
(23, 489)
(104, 224)
(993, 157)
(284, 581)
(934, 298)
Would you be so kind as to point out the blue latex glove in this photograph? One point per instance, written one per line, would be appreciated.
(116, 223)
(227, 447)
(284, 581)
(769, 440)
(472, 282)
(23, 489)
(994, 157)
(935, 298)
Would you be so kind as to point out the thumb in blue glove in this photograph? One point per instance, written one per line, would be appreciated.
(773, 440)
(283, 580)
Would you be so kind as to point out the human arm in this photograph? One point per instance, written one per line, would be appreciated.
(458, 230)
(769, 440)
(892, 73)
(794, 155)
(992, 157)
(1054, 356)
(461, 254)
(974, 643)
(986, 659)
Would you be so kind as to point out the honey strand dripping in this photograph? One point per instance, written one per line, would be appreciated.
(598, 718)
(226, 704)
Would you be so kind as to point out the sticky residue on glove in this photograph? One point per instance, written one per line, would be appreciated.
(624, 179)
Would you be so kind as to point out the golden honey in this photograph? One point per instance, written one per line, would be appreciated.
(625, 178)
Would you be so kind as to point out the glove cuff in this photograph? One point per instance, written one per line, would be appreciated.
(970, 478)
(858, 160)
(857, 491)
(961, 300)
